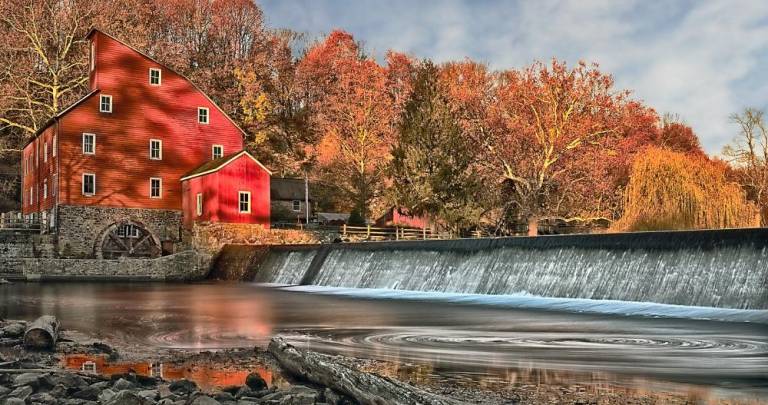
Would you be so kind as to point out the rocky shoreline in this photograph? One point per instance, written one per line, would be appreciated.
(281, 374)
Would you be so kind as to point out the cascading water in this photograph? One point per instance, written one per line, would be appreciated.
(723, 269)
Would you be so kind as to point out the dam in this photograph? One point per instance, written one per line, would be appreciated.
(712, 268)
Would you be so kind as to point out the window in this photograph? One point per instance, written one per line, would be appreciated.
(53, 145)
(199, 209)
(105, 104)
(89, 184)
(155, 187)
(55, 185)
(245, 202)
(93, 55)
(154, 76)
(89, 144)
(296, 205)
(156, 370)
(155, 149)
(88, 367)
(218, 151)
(45, 189)
(202, 115)
(45, 152)
(128, 231)
(31, 196)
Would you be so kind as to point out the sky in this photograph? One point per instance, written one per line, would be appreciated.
(701, 59)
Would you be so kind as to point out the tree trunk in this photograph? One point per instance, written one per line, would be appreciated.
(42, 333)
(365, 388)
(533, 226)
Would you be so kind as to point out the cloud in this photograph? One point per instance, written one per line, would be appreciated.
(702, 59)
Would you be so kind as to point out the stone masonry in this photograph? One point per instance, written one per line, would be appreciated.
(81, 228)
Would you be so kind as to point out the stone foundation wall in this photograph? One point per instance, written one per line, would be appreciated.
(20, 245)
(184, 266)
(212, 237)
(80, 227)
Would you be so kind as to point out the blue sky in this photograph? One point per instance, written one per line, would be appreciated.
(702, 60)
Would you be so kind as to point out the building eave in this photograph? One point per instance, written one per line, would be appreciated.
(58, 115)
(224, 164)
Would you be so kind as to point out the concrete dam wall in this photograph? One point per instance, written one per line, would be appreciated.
(720, 268)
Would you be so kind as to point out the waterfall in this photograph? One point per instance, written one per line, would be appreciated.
(723, 269)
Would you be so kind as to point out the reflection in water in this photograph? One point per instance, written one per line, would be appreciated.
(206, 376)
(457, 341)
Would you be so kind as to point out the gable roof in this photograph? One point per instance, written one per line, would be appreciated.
(217, 164)
(60, 114)
(286, 188)
(95, 30)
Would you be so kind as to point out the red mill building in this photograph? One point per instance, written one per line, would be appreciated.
(115, 173)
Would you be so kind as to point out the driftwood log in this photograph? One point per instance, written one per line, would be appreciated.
(42, 333)
(365, 388)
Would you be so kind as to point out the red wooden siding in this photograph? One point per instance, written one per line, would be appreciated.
(221, 192)
(38, 171)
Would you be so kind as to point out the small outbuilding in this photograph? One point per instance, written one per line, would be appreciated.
(230, 189)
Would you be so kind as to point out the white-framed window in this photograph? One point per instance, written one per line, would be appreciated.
(128, 231)
(217, 151)
(53, 146)
(93, 55)
(202, 115)
(89, 144)
(45, 152)
(155, 76)
(31, 196)
(89, 184)
(156, 370)
(156, 149)
(88, 367)
(45, 189)
(105, 103)
(244, 200)
(155, 187)
(55, 185)
(297, 205)
(199, 204)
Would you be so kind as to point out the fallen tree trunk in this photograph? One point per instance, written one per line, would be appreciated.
(42, 333)
(365, 388)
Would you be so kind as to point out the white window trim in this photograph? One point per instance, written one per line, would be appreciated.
(213, 151)
(239, 194)
(45, 152)
(160, 189)
(293, 205)
(159, 76)
(199, 204)
(93, 56)
(88, 367)
(110, 103)
(82, 185)
(45, 189)
(207, 115)
(160, 141)
(53, 146)
(93, 152)
(55, 184)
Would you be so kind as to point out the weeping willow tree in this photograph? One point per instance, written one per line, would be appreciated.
(671, 190)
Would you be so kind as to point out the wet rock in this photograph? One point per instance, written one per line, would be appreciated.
(183, 387)
(90, 393)
(164, 391)
(204, 400)
(13, 330)
(43, 398)
(224, 396)
(232, 389)
(22, 392)
(30, 379)
(101, 385)
(149, 394)
(10, 342)
(106, 395)
(58, 391)
(3, 391)
(14, 401)
(70, 380)
(123, 384)
(295, 395)
(128, 398)
(255, 382)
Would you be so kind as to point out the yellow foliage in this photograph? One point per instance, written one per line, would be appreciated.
(670, 190)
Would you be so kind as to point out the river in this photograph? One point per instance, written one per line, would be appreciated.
(453, 336)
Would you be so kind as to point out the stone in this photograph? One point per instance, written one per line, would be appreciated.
(58, 391)
(123, 384)
(204, 400)
(70, 380)
(14, 401)
(14, 330)
(4, 390)
(90, 393)
(101, 385)
(224, 396)
(31, 379)
(164, 391)
(149, 394)
(183, 386)
(22, 392)
(106, 395)
(43, 398)
(255, 382)
(128, 398)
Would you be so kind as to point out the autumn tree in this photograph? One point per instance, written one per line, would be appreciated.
(749, 154)
(354, 111)
(676, 136)
(432, 166)
(673, 190)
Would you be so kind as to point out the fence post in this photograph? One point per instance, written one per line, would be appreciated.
(368, 233)
(397, 234)
(344, 228)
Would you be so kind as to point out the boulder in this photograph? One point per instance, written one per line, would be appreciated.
(106, 395)
(204, 400)
(89, 393)
(13, 330)
(31, 379)
(123, 384)
(128, 398)
(255, 382)
(14, 401)
(43, 398)
(149, 394)
(23, 392)
(183, 387)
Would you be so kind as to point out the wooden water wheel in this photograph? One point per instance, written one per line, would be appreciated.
(129, 239)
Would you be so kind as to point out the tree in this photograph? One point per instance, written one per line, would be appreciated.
(354, 112)
(749, 154)
(676, 136)
(432, 165)
(672, 190)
